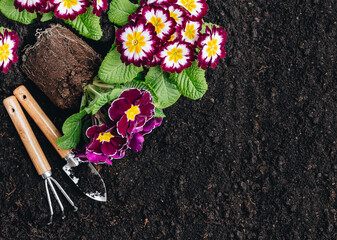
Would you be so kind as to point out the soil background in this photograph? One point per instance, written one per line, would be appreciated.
(255, 158)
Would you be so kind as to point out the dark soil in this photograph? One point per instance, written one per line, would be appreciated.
(253, 159)
(68, 64)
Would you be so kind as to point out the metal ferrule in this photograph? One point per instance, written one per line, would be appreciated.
(72, 161)
(46, 175)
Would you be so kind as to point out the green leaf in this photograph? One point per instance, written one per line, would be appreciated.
(120, 10)
(191, 82)
(158, 113)
(7, 8)
(206, 24)
(87, 24)
(105, 98)
(113, 70)
(165, 89)
(71, 129)
(47, 16)
(141, 85)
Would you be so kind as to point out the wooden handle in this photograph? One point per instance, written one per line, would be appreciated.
(26, 134)
(40, 118)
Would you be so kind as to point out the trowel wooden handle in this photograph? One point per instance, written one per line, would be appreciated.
(26, 134)
(40, 118)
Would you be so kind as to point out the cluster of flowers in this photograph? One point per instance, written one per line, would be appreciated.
(9, 42)
(131, 118)
(65, 9)
(167, 32)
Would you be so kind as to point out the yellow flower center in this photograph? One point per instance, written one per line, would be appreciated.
(212, 47)
(172, 38)
(189, 4)
(190, 31)
(174, 16)
(135, 42)
(105, 137)
(132, 112)
(156, 22)
(4, 52)
(175, 54)
(69, 3)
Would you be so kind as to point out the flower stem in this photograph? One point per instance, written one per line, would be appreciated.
(92, 90)
(103, 85)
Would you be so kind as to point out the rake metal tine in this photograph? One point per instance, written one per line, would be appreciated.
(57, 197)
(49, 203)
(64, 194)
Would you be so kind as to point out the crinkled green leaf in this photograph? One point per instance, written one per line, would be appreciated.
(165, 89)
(7, 8)
(191, 82)
(71, 129)
(112, 69)
(105, 98)
(158, 113)
(47, 16)
(207, 24)
(120, 10)
(141, 85)
(87, 24)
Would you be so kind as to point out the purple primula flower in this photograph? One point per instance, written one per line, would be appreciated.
(47, 6)
(136, 42)
(135, 140)
(131, 110)
(176, 56)
(190, 32)
(29, 5)
(161, 20)
(105, 143)
(156, 2)
(196, 8)
(9, 42)
(212, 45)
(99, 6)
(70, 9)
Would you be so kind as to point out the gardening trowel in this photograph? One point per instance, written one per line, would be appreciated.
(74, 165)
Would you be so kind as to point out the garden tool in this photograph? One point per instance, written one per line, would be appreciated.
(73, 163)
(36, 154)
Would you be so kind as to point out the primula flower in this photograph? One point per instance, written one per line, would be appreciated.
(191, 32)
(99, 6)
(212, 45)
(177, 13)
(47, 7)
(197, 8)
(9, 42)
(156, 2)
(131, 110)
(161, 20)
(29, 5)
(70, 9)
(105, 144)
(135, 140)
(176, 56)
(136, 42)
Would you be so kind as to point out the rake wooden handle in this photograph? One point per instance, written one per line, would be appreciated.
(40, 118)
(26, 134)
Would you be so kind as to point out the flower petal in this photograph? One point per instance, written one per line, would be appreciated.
(136, 142)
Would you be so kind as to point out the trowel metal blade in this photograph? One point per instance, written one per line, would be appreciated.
(85, 182)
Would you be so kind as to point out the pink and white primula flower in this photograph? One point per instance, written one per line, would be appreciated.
(70, 9)
(197, 8)
(176, 56)
(137, 43)
(29, 5)
(177, 13)
(47, 7)
(99, 6)
(191, 32)
(161, 20)
(212, 45)
(9, 42)
(156, 2)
